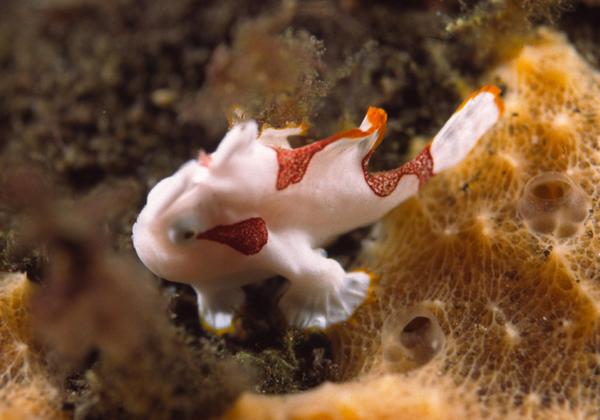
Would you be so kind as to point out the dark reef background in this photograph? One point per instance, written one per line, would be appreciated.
(100, 99)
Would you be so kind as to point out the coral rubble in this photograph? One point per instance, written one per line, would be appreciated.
(476, 314)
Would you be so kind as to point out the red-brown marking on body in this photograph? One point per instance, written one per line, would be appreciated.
(248, 236)
(384, 183)
(293, 163)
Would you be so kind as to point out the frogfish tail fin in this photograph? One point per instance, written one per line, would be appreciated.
(471, 120)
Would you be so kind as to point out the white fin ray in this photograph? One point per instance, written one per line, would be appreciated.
(278, 137)
(235, 141)
(461, 132)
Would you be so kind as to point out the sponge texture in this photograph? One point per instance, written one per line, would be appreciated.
(479, 312)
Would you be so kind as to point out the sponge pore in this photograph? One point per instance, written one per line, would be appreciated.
(552, 204)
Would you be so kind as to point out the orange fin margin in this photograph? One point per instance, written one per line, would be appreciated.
(494, 90)
(377, 117)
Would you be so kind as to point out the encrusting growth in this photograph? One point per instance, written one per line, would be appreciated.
(518, 310)
(25, 390)
(256, 208)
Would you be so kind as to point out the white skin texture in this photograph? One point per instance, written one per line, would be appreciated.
(239, 182)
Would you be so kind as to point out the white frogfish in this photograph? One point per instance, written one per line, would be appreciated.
(256, 208)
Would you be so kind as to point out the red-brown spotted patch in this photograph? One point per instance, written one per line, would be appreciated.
(384, 183)
(293, 163)
(248, 236)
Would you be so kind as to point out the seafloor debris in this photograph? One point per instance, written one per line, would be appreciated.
(95, 334)
(518, 311)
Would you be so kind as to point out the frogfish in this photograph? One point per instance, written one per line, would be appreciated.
(256, 208)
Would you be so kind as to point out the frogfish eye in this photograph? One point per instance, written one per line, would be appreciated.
(184, 231)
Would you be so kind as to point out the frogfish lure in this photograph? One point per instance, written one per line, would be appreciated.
(256, 208)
